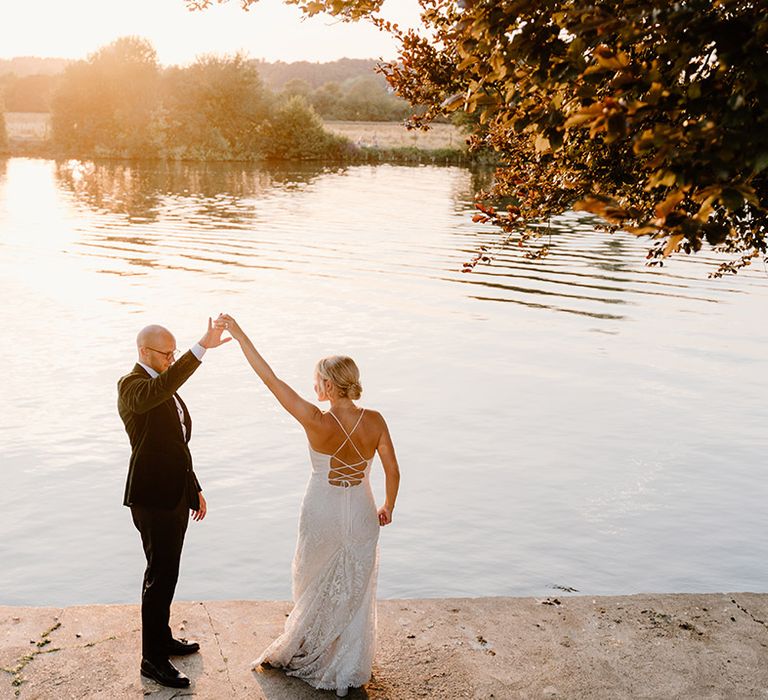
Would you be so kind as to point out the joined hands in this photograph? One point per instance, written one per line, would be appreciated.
(225, 322)
(212, 337)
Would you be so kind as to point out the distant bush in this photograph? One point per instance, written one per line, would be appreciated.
(214, 109)
(295, 131)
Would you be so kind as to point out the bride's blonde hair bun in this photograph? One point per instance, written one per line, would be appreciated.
(343, 373)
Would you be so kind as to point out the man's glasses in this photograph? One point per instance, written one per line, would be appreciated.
(170, 355)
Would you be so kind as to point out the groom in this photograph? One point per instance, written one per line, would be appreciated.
(162, 487)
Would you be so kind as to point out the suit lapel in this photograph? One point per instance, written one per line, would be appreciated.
(187, 418)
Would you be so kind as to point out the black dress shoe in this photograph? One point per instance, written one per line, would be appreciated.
(164, 673)
(181, 647)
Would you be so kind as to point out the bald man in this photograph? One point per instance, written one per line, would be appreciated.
(162, 488)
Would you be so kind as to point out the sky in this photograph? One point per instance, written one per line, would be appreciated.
(269, 30)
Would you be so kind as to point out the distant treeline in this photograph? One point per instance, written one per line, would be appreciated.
(121, 103)
(276, 75)
(27, 83)
(347, 89)
(32, 65)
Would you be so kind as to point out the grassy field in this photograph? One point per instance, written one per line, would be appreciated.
(28, 126)
(395, 135)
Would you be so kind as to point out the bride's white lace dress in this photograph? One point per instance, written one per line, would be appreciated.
(329, 636)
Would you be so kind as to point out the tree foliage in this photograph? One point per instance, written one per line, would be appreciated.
(213, 109)
(107, 105)
(652, 114)
(295, 132)
(344, 9)
(359, 99)
(363, 98)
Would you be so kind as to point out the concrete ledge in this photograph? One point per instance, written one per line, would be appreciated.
(640, 646)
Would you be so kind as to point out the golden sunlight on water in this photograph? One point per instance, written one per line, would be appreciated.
(580, 420)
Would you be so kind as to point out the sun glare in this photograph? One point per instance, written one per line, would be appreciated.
(269, 29)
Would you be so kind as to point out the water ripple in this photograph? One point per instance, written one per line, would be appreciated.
(603, 419)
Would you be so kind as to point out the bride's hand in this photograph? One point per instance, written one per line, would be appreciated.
(385, 516)
(229, 324)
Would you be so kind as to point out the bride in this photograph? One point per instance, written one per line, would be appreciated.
(329, 636)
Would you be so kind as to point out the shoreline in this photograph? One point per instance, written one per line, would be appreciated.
(364, 155)
(565, 646)
(29, 135)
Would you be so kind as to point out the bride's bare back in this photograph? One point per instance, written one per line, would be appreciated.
(351, 455)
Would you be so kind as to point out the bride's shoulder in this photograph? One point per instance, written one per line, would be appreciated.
(375, 417)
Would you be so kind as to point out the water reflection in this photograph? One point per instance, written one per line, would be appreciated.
(481, 180)
(138, 188)
(587, 268)
(303, 217)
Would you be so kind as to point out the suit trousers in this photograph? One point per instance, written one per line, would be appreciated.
(162, 536)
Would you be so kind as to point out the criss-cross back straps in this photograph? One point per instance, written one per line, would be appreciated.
(348, 439)
(353, 473)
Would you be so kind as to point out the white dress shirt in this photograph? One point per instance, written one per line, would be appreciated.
(198, 351)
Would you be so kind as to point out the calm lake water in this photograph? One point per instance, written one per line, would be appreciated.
(579, 421)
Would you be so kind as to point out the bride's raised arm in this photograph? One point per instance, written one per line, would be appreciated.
(302, 410)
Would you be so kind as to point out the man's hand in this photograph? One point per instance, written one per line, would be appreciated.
(200, 514)
(212, 338)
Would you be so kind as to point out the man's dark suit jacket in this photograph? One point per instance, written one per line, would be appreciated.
(160, 469)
